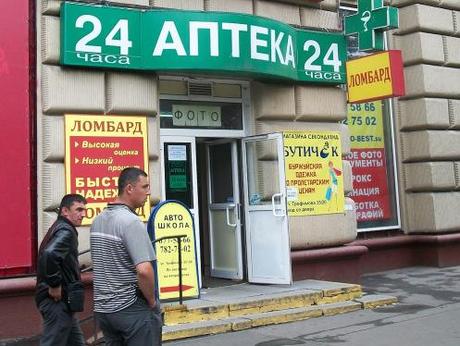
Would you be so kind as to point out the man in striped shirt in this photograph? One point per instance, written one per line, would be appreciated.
(124, 282)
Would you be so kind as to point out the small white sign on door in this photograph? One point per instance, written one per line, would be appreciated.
(177, 153)
(292, 193)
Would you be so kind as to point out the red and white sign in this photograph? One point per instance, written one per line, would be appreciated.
(370, 187)
(368, 161)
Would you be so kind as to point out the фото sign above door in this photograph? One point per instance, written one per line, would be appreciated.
(208, 42)
(197, 115)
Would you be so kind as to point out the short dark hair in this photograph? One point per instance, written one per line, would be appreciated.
(129, 175)
(70, 199)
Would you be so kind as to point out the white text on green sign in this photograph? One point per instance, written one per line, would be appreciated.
(209, 42)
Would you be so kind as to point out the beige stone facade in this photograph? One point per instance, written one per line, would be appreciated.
(427, 119)
(274, 107)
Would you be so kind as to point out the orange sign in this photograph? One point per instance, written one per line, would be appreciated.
(375, 77)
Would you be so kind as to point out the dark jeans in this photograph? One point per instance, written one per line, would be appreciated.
(136, 325)
(60, 327)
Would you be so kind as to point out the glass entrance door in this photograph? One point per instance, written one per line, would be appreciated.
(267, 230)
(178, 157)
(224, 210)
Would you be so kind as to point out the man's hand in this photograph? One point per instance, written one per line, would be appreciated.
(152, 305)
(55, 293)
(146, 282)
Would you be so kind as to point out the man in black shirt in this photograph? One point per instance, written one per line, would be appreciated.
(58, 268)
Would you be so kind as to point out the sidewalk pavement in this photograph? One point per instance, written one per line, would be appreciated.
(427, 314)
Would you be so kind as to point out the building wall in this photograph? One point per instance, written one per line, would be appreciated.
(64, 90)
(428, 117)
(275, 107)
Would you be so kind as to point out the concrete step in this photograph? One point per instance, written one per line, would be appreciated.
(227, 324)
(246, 299)
(244, 306)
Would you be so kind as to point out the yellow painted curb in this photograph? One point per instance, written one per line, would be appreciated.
(274, 304)
(379, 302)
(276, 317)
(197, 331)
(195, 315)
(335, 309)
(287, 317)
(242, 325)
(330, 292)
(166, 307)
(341, 297)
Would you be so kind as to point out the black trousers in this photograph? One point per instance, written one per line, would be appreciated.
(60, 327)
(136, 325)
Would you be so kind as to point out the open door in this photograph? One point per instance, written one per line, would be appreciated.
(224, 210)
(267, 229)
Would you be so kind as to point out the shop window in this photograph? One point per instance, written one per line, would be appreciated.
(220, 161)
(186, 88)
(226, 90)
(173, 87)
(178, 172)
(372, 158)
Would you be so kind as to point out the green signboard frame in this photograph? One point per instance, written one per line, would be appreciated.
(370, 22)
(201, 42)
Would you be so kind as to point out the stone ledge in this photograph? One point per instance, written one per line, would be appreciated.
(372, 301)
(328, 253)
(341, 263)
(356, 248)
(407, 240)
(440, 250)
(10, 286)
(340, 308)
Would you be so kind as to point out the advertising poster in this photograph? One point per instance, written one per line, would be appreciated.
(314, 179)
(368, 161)
(172, 218)
(98, 148)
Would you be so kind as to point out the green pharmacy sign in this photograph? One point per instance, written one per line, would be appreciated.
(369, 23)
(199, 42)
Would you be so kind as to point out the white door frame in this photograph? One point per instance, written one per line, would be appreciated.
(195, 210)
(233, 218)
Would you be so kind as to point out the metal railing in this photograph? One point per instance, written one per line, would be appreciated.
(178, 238)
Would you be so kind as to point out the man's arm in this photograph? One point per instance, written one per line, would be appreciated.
(55, 252)
(146, 282)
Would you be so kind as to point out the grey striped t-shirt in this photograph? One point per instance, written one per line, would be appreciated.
(119, 241)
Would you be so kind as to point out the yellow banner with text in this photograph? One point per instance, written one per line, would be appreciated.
(313, 165)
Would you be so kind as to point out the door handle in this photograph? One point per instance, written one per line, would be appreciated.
(280, 195)
(227, 211)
